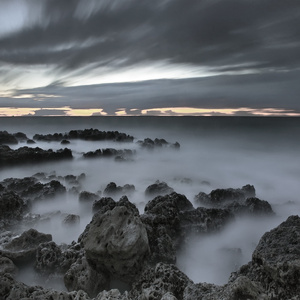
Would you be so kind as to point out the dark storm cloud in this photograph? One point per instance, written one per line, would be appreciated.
(207, 32)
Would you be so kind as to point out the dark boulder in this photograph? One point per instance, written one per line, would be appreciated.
(164, 281)
(238, 201)
(18, 185)
(86, 196)
(31, 155)
(40, 191)
(124, 154)
(162, 220)
(20, 136)
(7, 138)
(7, 266)
(204, 220)
(48, 257)
(116, 243)
(81, 276)
(71, 220)
(24, 248)
(274, 270)
(158, 188)
(103, 204)
(112, 189)
(150, 144)
(86, 134)
(65, 142)
(11, 206)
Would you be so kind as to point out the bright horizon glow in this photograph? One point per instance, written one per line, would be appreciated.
(166, 111)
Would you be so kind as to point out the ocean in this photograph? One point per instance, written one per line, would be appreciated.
(215, 152)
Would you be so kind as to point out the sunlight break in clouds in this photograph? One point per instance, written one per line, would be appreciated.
(191, 111)
(61, 111)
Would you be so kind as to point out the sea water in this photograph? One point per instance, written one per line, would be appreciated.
(215, 152)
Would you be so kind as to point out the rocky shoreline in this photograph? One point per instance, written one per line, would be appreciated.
(125, 254)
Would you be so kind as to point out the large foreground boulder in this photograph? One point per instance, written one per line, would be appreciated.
(116, 243)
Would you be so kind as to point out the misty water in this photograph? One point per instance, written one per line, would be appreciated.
(215, 152)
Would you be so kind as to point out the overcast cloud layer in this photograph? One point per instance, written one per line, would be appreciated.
(246, 53)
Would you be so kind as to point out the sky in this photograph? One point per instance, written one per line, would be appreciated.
(149, 57)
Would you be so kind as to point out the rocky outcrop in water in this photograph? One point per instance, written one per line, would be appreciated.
(113, 190)
(150, 144)
(158, 188)
(238, 201)
(125, 154)
(86, 134)
(7, 138)
(26, 154)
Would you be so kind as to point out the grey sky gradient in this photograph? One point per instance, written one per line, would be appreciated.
(247, 52)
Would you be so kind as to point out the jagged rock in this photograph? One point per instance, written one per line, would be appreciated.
(40, 191)
(130, 206)
(157, 143)
(85, 196)
(275, 266)
(238, 201)
(163, 280)
(48, 257)
(51, 258)
(30, 142)
(7, 266)
(18, 185)
(113, 189)
(204, 220)
(170, 219)
(158, 188)
(71, 219)
(219, 197)
(162, 220)
(11, 289)
(31, 155)
(82, 277)
(257, 206)
(24, 247)
(112, 294)
(11, 206)
(116, 242)
(103, 205)
(7, 138)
